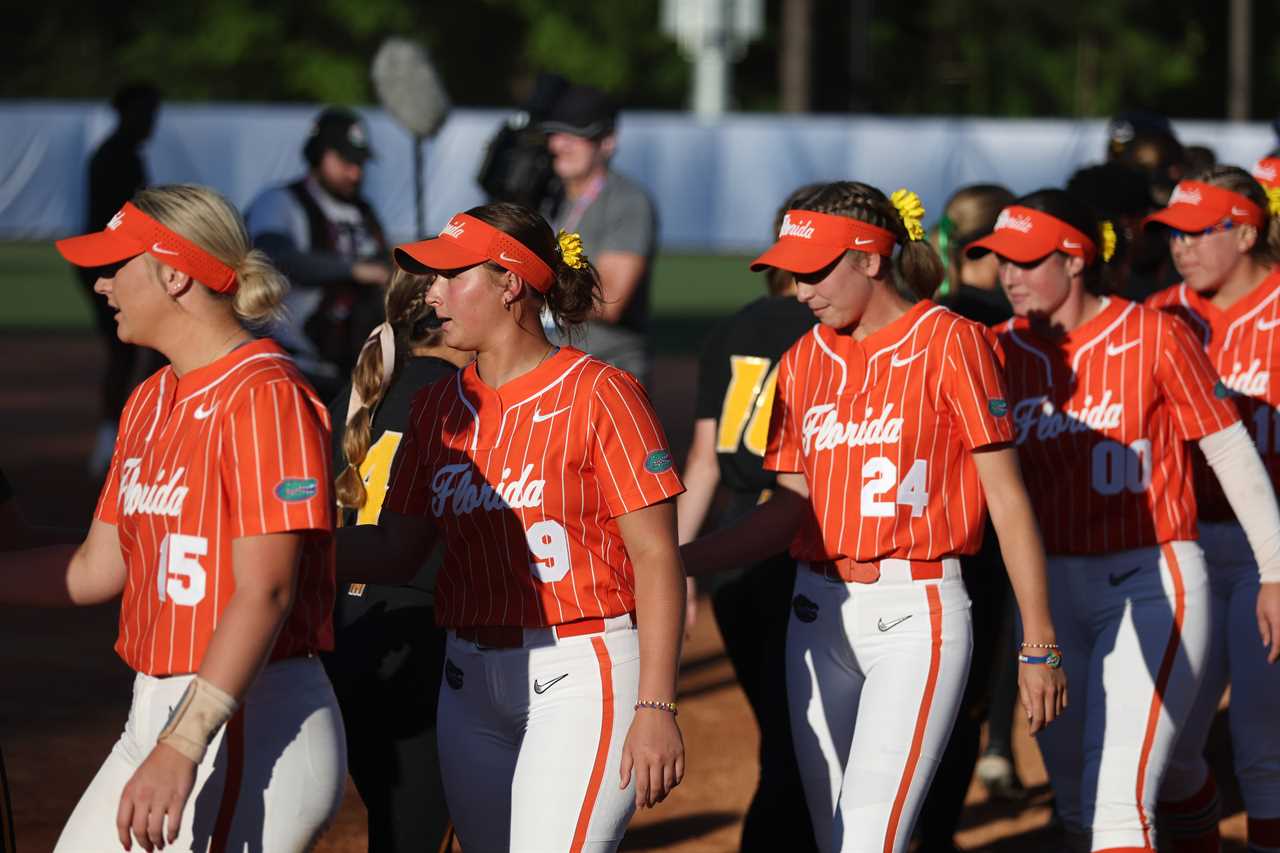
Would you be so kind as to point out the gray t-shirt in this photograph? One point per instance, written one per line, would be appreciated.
(621, 218)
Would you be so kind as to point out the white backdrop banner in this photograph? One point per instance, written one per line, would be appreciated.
(716, 185)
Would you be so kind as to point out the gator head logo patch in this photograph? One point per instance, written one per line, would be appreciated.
(998, 407)
(806, 610)
(658, 461)
(294, 489)
(452, 674)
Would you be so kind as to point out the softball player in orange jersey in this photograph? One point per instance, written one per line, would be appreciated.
(890, 435)
(548, 477)
(1104, 393)
(214, 525)
(1225, 241)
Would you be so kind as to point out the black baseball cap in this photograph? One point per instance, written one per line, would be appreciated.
(582, 111)
(342, 130)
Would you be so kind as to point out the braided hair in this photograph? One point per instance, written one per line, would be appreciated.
(412, 323)
(1266, 250)
(917, 266)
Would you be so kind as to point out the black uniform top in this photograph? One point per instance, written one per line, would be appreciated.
(116, 172)
(988, 307)
(737, 366)
(6, 491)
(390, 422)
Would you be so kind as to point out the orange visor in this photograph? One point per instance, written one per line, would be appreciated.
(808, 241)
(1267, 172)
(465, 242)
(130, 233)
(1195, 206)
(1024, 235)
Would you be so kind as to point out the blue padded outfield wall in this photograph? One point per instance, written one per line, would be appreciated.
(716, 185)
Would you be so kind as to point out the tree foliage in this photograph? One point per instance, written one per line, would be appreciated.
(968, 57)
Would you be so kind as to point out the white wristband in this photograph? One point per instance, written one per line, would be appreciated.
(1245, 482)
(200, 713)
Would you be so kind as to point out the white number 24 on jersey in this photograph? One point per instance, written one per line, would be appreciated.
(181, 577)
(881, 476)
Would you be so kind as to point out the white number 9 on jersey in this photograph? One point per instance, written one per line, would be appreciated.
(549, 545)
(181, 577)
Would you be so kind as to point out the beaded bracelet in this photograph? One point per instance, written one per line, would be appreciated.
(657, 706)
(1040, 646)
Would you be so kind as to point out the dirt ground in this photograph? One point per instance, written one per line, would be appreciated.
(64, 695)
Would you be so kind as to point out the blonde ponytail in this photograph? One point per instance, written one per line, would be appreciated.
(207, 219)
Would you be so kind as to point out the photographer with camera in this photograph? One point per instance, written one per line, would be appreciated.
(616, 219)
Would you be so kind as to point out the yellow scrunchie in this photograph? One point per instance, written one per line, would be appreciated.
(911, 210)
(571, 249)
(1273, 200)
(1108, 240)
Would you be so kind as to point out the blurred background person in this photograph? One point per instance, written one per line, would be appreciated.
(1147, 142)
(116, 172)
(1121, 194)
(323, 234)
(517, 165)
(617, 221)
(972, 286)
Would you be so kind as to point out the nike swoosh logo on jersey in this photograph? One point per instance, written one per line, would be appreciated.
(539, 417)
(858, 241)
(1113, 350)
(888, 626)
(504, 256)
(156, 247)
(1116, 580)
(541, 687)
(903, 362)
(201, 412)
(1268, 325)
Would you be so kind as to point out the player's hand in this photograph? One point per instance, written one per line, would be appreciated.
(1044, 693)
(157, 793)
(690, 606)
(1269, 619)
(655, 749)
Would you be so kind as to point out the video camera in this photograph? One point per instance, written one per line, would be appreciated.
(517, 165)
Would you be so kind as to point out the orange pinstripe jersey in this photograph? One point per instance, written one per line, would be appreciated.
(236, 448)
(525, 483)
(1101, 419)
(883, 428)
(1243, 344)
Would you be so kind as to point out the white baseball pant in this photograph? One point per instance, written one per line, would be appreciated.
(1236, 655)
(272, 779)
(1134, 631)
(875, 674)
(531, 739)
